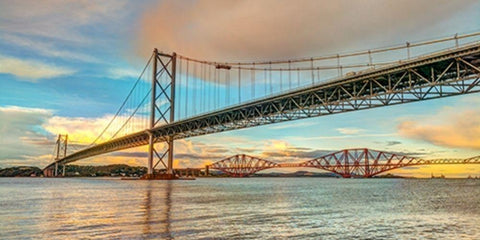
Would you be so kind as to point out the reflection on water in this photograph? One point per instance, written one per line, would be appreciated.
(164, 214)
(255, 208)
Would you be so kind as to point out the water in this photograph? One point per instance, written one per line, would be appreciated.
(252, 208)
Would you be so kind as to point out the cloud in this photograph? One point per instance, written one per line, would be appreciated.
(272, 29)
(190, 156)
(85, 130)
(392, 143)
(56, 19)
(341, 136)
(22, 136)
(296, 155)
(38, 140)
(451, 127)
(121, 73)
(421, 153)
(30, 70)
(283, 151)
(291, 125)
(29, 134)
(47, 48)
(80, 31)
(246, 150)
(349, 131)
(218, 149)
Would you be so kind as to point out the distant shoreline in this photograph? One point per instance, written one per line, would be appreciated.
(123, 170)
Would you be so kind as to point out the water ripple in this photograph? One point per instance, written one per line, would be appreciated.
(266, 208)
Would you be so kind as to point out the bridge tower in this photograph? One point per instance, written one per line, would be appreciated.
(163, 90)
(60, 152)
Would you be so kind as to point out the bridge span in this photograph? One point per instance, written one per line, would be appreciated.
(444, 73)
(347, 163)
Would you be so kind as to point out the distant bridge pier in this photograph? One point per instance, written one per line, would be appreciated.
(48, 172)
(189, 172)
(163, 78)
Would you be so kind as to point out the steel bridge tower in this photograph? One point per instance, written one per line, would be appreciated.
(60, 152)
(163, 88)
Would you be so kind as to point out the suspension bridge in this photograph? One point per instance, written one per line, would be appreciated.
(178, 97)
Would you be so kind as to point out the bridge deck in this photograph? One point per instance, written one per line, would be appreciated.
(441, 74)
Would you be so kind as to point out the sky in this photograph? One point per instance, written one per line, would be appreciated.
(66, 66)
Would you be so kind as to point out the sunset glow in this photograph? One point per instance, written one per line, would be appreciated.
(67, 73)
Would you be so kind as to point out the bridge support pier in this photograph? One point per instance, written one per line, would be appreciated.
(163, 78)
(150, 155)
(47, 172)
(170, 157)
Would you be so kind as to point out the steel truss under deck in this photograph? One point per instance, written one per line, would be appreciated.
(442, 74)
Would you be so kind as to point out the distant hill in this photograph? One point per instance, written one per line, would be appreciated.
(120, 170)
(389, 175)
(21, 171)
(77, 171)
(108, 170)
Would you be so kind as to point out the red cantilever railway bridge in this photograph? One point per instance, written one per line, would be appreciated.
(347, 163)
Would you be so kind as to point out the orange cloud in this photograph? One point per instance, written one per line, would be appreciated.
(187, 154)
(250, 29)
(85, 130)
(450, 128)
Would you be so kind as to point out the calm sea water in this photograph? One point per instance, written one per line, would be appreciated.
(252, 208)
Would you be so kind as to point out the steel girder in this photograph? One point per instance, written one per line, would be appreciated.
(361, 162)
(242, 165)
(347, 163)
(368, 163)
(442, 74)
(452, 73)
